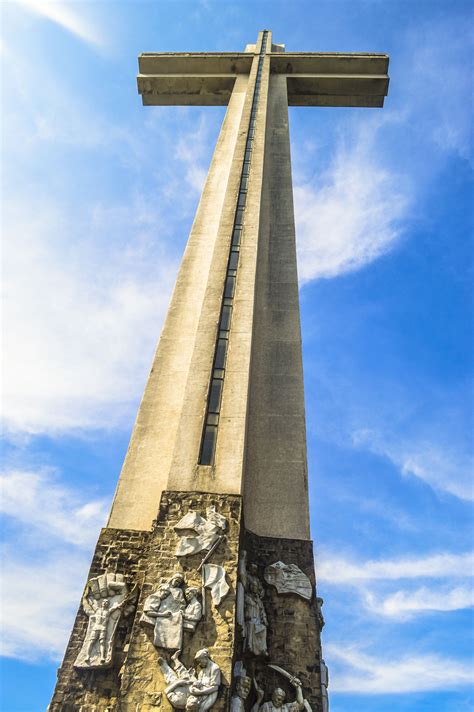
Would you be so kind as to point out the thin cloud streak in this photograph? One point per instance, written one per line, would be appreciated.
(440, 468)
(377, 675)
(405, 605)
(41, 501)
(334, 569)
(39, 600)
(44, 567)
(63, 15)
(351, 216)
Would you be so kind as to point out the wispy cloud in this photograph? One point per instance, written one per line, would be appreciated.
(352, 215)
(40, 500)
(68, 15)
(360, 673)
(437, 464)
(406, 604)
(373, 583)
(39, 598)
(73, 298)
(53, 528)
(335, 569)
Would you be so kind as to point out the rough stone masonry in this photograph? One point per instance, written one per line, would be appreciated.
(202, 593)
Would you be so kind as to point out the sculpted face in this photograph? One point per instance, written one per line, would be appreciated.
(278, 697)
(191, 592)
(202, 660)
(242, 687)
(105, 604)
(177, 580)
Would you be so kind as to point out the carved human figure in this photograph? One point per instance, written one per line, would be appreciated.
(277, 702)
(104, 601)
(193, 611)
(189, 689)
(324, 685)
(164, 609)
(252, 577)
(99, 624)
(255, 619)
(242, 687)
(208, 679)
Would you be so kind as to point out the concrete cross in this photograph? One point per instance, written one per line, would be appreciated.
(220, 435)
(226, 389)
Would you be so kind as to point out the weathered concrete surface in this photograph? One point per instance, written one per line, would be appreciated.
(121, 551)
(276, 489)
(293, 628)
(261, 426)
(134, 681)
(314, 78)
(179, 376)
(142, 684)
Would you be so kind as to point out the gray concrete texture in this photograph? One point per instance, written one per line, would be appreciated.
(261, 445)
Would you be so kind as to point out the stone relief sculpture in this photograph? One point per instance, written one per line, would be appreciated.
(256, 621)
(170, 611)
(213, 578)
(324, 685)
(106, 599)
(193, 611)
(250, 610)
(242, 687)
(194, 690)
(199, 533)
(288, 578)
(277, 702)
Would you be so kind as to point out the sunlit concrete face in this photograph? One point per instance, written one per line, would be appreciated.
(260, 451)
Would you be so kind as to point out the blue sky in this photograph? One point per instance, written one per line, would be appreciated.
(99, 196)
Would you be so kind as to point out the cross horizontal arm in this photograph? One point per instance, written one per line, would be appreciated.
(313, 78)
(197, 79)
(335, 79)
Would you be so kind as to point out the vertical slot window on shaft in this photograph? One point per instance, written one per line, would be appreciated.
(216, 385)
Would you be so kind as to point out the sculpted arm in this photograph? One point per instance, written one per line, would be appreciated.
(299, 696)
(260, 693)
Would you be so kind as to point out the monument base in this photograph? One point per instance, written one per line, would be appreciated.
(171, 617)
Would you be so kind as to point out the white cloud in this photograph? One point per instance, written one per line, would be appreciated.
(68, 15)
(352, 215)
(53, 529)
(373, 583)
(439, 83)
(39, 500)
(406, 604)
(364, 674)
(436, 463)
(334, 569)
(84, 302)
(39, 599)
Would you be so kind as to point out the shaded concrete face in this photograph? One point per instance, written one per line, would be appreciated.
(275, 489)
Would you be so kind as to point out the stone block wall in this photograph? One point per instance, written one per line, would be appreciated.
(293, 638)
(118, 551)
(143, 685)
(134, 681)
